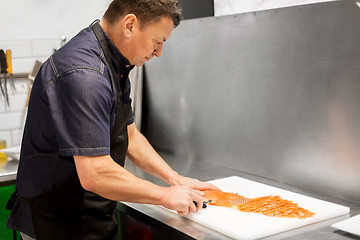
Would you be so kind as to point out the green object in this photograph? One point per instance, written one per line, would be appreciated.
(5, 193)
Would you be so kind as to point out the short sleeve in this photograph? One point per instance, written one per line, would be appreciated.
(81, 104)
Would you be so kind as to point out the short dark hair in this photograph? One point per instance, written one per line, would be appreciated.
(147, 11)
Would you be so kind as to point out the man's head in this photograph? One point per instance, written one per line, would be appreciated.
(139, 28)
(147, 11)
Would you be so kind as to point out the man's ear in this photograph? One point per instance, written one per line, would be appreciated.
(130, 21)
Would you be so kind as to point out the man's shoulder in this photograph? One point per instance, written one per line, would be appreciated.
(82, 51)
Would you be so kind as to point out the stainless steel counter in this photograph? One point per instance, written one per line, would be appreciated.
(182, 228)
(8, 171)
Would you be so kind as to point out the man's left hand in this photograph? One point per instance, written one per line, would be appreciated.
(196, 184)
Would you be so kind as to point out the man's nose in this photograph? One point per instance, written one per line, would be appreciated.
(158, 51)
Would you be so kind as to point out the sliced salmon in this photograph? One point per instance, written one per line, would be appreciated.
(273, 206)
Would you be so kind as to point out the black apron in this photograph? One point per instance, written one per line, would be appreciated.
(70, 212)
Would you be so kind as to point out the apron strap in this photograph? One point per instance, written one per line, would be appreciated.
(101, 38)
(14, 235)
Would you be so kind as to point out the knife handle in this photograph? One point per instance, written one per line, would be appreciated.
(9, 62)
(3, 65)
(203, 206)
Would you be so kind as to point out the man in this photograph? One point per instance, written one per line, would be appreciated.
(80, 127)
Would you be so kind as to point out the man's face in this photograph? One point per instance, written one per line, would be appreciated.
(148, 42)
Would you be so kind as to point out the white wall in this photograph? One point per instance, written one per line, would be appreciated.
(32, 29)
(226, 7)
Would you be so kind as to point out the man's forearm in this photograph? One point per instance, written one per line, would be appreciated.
(145, 157)
(100, 174)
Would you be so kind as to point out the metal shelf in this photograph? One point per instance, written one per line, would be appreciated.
(14, 76)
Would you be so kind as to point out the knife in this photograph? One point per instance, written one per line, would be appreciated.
(9, 68)
(3, 67)
(203, 206)
(9, 62)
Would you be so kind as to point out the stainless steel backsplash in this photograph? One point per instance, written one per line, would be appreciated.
(273, 93)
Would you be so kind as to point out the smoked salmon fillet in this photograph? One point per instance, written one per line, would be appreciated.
(273, 206)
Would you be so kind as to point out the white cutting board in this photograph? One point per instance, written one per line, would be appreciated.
(239, 225)
(351, 225)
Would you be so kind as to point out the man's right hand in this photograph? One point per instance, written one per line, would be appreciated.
(182, 198)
